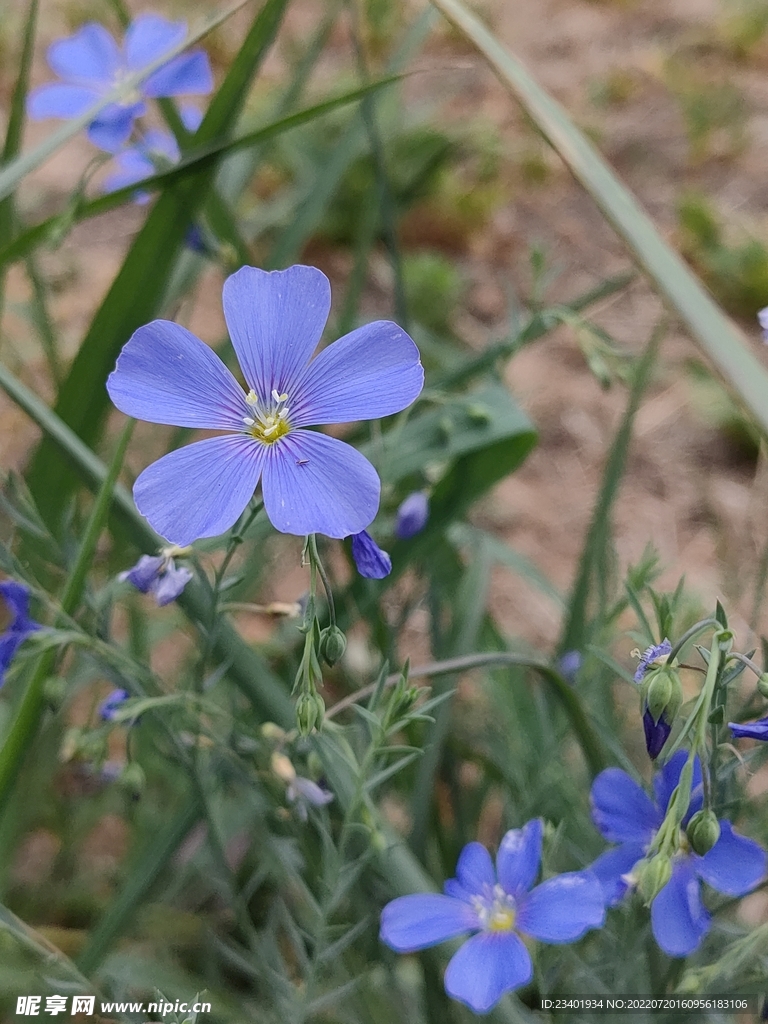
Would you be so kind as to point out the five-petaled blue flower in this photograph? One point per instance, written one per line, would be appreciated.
(90, 65)
(16, 597)
(412, 515)
(654, 655)
(625, 814)
(371, 561)
(750, 730)
(496, 905)
(311, 483)
(156, 151)
(158, 575)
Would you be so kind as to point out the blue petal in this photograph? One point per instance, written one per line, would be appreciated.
(161, 144)
(656, 733)
(563, 908)
(370, 560)
(9, 644)
(148, 37)
(133, 167)
(374, 371)
(275, 320)
(734, 865)
(187, 73)
(424, 919)
(678, 918)
(191, 116)
(621, 810)
(144, 573)
(168, 587)
(750, 730)
(112, 128)
(165, 374)
(60, 100)
(201, 490)
(412, 515)
(316, 484)
(111, 703)
(474, 870)
(487, 966)
(612, 865)
(16, 597)
(667, 779)
(517, 861)
(452, 888)
(90, 55)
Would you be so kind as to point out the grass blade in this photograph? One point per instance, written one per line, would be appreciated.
(715, 333)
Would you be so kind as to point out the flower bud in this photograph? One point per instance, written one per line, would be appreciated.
(412, 515)
(663, 694)
(133, 780)
(310, 710)
(653, 875)
(703, 831)
(333, 644)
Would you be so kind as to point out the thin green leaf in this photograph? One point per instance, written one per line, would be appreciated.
(709, 326)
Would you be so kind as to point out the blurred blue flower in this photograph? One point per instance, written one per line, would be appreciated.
(311, 482)
(625, 814)
(569, 665)
(496, 904)
(750, 730)
(16, 597)
(304, 793)
(412, 515)
(156, 151)
(655, 654)
(158, 575)
(762, 317)
(111, 703)
(90, 65)
(371, 561)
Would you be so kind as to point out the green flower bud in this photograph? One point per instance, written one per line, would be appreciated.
(703, 831)
(133, 780)
(333, 644)
(653, 875)
(310, 710)
(663, 694)
(762, 684)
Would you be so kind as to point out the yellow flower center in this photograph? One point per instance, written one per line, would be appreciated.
(495, 910)
(268, 421)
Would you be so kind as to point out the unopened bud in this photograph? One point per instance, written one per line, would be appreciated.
(725, 639)
(333, 644)
(703, 831)
(282, 767)
(133, 780)
(310, 710)
(653, 876)
(663, 694)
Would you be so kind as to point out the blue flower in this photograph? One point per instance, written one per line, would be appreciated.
(16, 597)
(654, 655)
(496, 905)
(412, 515)
(656, 733)
(569, 665)
(371, 561)
(90, 65)
(750, 730)
(762, 317)
(156, 151)
(158, 575)
(304, 793)
(111, 703)
(625, 814)
(311, 482)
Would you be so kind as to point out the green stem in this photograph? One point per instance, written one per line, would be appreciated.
(25, 724)
(689, 634)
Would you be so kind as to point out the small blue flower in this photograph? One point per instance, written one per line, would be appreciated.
(16, 597)
(750, 730)
(762, 317)
(371, 561)
(625, 814)
(496, 905)
(158, 575)
(111, 703)
(311, 482)
(90, 65)
(569, 665)
(305, 793)
(412, 515)
(654, 655)
(156, 151)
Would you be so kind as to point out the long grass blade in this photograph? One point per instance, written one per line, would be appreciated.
(714, 332)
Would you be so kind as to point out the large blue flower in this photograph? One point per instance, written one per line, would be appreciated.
(311, 483)
(625, 814)
(16, 597)
(90, 65)
(496, 905)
